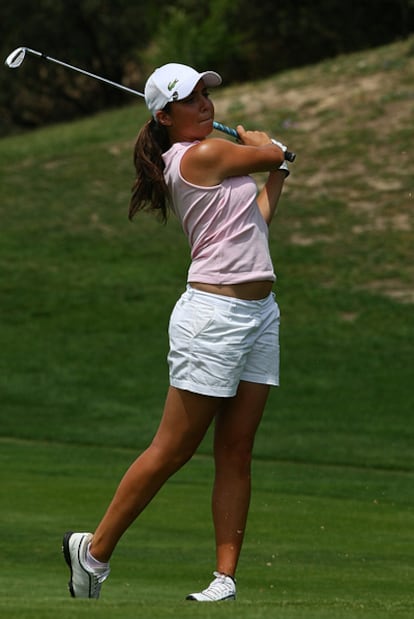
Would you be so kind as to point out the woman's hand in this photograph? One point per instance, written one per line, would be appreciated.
(253, 138)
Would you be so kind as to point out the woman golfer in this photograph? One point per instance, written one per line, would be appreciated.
(224, 330)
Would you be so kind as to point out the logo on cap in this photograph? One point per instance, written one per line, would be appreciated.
(172, 84)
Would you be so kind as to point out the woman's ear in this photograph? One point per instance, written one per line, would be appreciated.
(163, 118)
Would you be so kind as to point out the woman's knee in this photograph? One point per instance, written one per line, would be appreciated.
(170, 457)
(234, 455)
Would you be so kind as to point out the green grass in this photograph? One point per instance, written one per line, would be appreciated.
(85, 298)
(322, 540)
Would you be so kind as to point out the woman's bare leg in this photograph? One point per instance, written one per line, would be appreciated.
(185, 421)
(236, 426)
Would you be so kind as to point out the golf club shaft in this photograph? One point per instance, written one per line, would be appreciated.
(88, 73)
(20, 52)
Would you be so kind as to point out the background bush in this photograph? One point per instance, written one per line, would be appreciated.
(123, 41)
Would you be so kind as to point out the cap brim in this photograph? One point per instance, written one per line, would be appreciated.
(211, 78)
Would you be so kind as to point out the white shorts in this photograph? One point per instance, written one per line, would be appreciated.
(217, 341)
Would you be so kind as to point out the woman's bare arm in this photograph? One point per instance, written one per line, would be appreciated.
(209, 162)
(269, 196)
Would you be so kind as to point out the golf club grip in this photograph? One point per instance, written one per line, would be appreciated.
(289, 156)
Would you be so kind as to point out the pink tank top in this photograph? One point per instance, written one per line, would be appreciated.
(227, 234)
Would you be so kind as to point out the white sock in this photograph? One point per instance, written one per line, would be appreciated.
(94, 563)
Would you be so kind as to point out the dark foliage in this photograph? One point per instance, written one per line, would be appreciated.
(123, 41)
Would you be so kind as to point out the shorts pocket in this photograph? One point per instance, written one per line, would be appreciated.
(189, 320)
(202, 319)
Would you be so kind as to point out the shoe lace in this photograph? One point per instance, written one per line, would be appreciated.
(97, 579)
(220, 585)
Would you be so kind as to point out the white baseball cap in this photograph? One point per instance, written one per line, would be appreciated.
(173, 82)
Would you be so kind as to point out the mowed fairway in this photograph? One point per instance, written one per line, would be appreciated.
(323, 541)
(85, 298)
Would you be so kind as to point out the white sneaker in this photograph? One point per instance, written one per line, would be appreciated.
(84, 582)
(220, 589)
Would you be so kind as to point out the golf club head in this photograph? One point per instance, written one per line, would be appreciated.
(15, 59)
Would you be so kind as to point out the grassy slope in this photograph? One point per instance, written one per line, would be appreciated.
(85, 299)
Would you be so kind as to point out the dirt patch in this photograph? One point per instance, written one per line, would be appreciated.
(394, 289)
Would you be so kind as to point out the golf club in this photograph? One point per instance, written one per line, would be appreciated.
(16, 58)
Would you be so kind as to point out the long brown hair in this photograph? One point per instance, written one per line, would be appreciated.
(149, 191)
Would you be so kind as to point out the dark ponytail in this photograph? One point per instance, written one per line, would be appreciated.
(149, 191)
